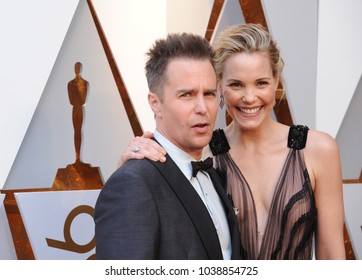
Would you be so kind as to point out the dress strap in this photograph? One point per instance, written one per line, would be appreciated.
(219, 144)
(297, 137)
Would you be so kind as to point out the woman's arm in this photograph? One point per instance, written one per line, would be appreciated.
(324, 159)
(148, 148)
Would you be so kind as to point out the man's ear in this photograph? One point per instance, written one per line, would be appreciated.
(155, 103)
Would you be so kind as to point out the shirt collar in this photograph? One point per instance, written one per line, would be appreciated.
(181, 158)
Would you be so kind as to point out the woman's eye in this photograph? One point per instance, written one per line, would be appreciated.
(262, 83)
(235, 85)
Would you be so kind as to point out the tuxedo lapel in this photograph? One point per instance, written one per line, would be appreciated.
(230, 214)
(193, 205)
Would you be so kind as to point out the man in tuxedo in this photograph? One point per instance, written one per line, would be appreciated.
(153, 210)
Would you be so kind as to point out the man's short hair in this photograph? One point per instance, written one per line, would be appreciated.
(183, 45)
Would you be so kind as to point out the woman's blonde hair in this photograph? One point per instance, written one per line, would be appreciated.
(246, 38)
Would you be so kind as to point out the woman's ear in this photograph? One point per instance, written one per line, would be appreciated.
(219, 88)
(155, 103)
(276, 82)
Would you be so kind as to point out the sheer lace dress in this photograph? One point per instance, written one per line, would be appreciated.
(292, 218)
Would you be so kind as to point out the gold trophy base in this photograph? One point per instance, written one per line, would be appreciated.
(78, 176)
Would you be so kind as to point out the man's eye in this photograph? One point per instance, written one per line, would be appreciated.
(185, 94)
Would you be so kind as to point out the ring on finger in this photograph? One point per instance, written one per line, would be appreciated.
(135, 149)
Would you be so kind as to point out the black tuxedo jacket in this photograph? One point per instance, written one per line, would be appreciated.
(150, 210)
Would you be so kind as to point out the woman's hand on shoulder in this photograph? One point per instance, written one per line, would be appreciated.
(143, 147)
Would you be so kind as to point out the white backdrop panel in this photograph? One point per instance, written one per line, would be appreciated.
(46, 216)
(48, 143)
(131, 28)
(339, 60)
(32, 33)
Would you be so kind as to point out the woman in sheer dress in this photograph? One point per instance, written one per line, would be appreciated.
(285, 182)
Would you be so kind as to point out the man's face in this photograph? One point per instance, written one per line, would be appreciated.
(187, 113)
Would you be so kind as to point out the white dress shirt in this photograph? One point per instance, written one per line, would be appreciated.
(205, 189)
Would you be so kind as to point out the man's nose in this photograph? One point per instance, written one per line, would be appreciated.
(200, 104)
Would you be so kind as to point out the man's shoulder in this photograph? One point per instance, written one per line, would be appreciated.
(145, 170)
(134, 174)
(135, 166)
(132, 163)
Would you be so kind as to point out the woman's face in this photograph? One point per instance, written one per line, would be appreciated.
(249, 88)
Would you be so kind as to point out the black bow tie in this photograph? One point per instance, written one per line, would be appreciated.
(201, 165)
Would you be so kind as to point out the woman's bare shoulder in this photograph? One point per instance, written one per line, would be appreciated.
(322, 157)
(320, 142)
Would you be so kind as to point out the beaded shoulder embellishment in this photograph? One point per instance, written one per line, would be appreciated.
(297, 137)
(219, 144)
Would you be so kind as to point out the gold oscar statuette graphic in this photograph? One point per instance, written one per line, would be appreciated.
(78, 175)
